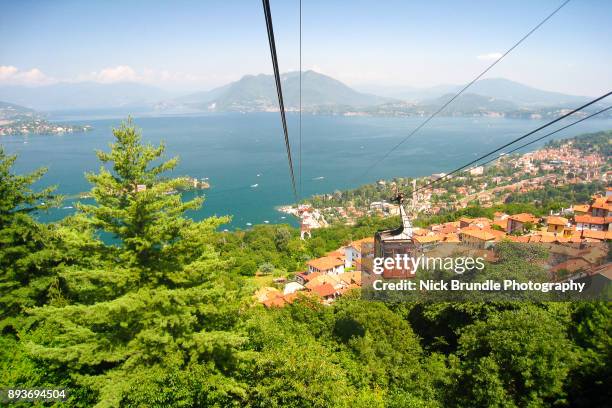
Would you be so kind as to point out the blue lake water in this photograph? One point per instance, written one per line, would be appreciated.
(237, 151)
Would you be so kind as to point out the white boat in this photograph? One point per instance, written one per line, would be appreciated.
(254, 185)
(249, 224)
(266, 222)
(319, 178)
(258, 175)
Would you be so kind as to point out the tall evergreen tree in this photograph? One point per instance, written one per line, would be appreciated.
(159, 310)
(26, 254)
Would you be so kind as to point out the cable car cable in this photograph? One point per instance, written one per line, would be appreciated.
(279, 90)
(516, 140)
(300, 117)
(547, 135)
(433, 115)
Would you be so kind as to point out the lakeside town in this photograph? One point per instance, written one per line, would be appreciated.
(570, 163)
(581, 231)
(19, 120)
(585, 227)
(39, 127)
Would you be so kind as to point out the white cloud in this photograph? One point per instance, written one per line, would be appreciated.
(12, 75)
(490, 57)
(125, 73)
(120, 73)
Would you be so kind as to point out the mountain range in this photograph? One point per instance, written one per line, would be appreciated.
(498, 88)
(320, 94)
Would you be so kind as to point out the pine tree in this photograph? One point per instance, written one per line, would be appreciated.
(25, 255)
(159, 309)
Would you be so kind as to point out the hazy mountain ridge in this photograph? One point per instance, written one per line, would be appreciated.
(258, 93)
(10, 112)
(321, 94)
(83, 95)
(499, 88)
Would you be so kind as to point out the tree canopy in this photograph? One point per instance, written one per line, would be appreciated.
(131, 303)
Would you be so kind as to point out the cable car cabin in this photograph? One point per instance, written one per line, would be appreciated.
(398, 241)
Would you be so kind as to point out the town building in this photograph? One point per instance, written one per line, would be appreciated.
(327, 265)
(517, 222)
(556, 224)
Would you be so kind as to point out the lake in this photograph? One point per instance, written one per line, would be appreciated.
(237, 151)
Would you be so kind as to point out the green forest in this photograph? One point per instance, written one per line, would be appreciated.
(161, 313)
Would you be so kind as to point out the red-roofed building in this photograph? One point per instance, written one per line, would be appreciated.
(355, 251)
(274, 302)
(304, 277)
(588, 222)
(601, 207)
(517, 222)
(477, 238)
(556, 224)
(581, 209)
(326, 291)
(327, 264)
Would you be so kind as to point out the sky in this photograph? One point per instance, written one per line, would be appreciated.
(185, 45)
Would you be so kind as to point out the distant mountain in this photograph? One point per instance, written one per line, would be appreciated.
(10, 112)
(321, 94)
(408, 93)
(83, 95)
(520, 94)
(258, 93)
(469, 103)
(498, 88)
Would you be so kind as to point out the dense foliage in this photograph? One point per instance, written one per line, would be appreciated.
(161, 314)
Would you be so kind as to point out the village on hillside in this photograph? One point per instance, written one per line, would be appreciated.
(340, 271)
(571, 162)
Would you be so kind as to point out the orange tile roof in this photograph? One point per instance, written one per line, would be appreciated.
(448, 228)
(358, 245)
(479, 234)
(502, 223)
(581, 208)
(275, 302)
(498, 234)
(452, 237)
(324, 290)
(427, 239)
(321, 279)
(603, 235)
(601, 203)
(325, 263)
(588, 219)
(524, 217)
(350, 277)
(308, 276)
(554, 220)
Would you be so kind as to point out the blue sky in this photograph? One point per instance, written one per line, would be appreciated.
(196, 45)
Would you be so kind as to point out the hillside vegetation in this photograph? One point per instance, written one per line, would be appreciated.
(164, 316)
